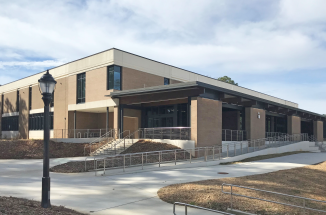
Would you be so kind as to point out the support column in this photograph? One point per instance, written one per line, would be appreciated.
(107, 120)
(318, 130)
(294, 125)
(206, 121)
(75, 118)
(255, 123)
(116, 120)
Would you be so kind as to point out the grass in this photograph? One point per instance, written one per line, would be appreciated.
(263, 157)
(12, 205)
(308, 181)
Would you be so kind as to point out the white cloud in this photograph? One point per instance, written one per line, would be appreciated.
(227, 37)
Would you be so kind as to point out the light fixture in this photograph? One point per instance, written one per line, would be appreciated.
(258, 115)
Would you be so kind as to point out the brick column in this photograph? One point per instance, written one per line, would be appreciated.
(23, 113)
(255, 126)
(116, 120)
(206, 121)
(318, 130)
(294, 125)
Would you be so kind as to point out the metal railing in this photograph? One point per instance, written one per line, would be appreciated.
(233, 135)
(196, 207)
(199, 154)
(274, 134)
(172, 133)
(116, 147)
(304, 207)
(104, 137)
(79, 133)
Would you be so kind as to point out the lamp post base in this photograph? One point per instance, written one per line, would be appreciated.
(46, 192)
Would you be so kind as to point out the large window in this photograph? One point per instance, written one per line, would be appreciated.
(114, 77)
(81, 88)
(36, 121)
(167, 116)
(9, 123)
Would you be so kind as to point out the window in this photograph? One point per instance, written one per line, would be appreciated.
(36, 121)
(17, 101)
(9, 123)
(114, 77)
(166, 81)
(30, 98)
(81, 88)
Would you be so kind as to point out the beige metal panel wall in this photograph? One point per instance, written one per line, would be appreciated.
(23, 113)
(61, 104)
(96, 85)
(9, 102)
(206, 122)
(72, 89)
(318, 130)
(133, 79)
(255, 127)
(294, 125)
(37, 101)
(156, 68)
(82, 65)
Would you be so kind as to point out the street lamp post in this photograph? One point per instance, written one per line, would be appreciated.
(46, 86)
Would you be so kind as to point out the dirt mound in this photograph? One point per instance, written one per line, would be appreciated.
(148, 146)
(12, 205)
(33, 149)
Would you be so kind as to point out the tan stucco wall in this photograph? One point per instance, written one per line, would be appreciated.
(9, 102)
(318, 130)
(255, 126)
(23, 113)
(61, 105)
(206, 122)
(132, 79)
(37, 101)
(72, 89)
(131, 121)
(294, 125)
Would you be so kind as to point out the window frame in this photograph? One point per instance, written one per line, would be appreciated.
(108, 84)
(168, 80)
(81, 80)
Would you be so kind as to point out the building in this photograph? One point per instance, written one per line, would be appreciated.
(118, 90)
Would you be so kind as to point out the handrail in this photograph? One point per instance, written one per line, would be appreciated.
(126, 137)
(97, 140)
(199, 153)
(196, 207)
(266, 191)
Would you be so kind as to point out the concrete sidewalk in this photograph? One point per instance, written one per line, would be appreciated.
(129, 193)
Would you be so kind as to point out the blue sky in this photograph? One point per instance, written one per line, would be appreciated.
(275, 47)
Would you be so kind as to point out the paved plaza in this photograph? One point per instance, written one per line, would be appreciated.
(134, 193)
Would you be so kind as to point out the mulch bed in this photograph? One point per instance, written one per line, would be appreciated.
(140, 146)
(33, 149)
(18, 206)
(305, 181)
